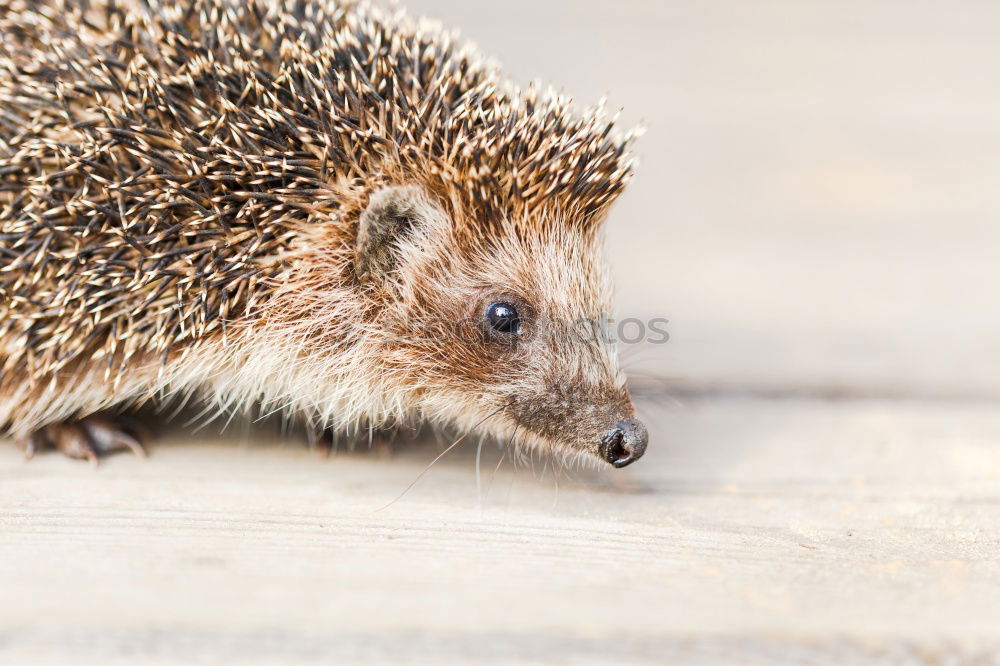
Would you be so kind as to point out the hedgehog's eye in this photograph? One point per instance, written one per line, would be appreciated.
(503, 318)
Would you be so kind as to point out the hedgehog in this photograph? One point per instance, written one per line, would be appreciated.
(311, 207)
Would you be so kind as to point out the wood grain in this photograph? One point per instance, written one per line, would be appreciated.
(752, 532)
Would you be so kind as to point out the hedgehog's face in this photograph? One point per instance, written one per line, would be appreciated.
(499, 329)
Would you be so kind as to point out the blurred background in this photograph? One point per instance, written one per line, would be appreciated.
(817, 205)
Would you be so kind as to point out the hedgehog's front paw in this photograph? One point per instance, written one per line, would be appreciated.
(87, 439)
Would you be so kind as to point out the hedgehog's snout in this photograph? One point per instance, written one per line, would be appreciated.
(625, 442)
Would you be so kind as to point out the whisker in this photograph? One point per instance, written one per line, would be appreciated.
(510, 487)
(479, 492)
(494, 475)
(439, 456)
(506, 449)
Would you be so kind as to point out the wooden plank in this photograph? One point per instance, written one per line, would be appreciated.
(753, 529)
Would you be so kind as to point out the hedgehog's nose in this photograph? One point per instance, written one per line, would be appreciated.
(625, 442)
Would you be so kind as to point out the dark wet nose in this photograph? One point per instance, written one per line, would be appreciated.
(625, 442)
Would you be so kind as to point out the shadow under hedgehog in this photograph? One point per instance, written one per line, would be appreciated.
(312, 206)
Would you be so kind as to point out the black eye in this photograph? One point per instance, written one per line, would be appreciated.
(503, 318)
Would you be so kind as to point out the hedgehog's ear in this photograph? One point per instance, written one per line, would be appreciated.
(392, 213)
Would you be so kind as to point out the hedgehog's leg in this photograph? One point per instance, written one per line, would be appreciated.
(87, 439)
(319, 439)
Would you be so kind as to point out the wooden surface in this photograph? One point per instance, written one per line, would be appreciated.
(752, 532)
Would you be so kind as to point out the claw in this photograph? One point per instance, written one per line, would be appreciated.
(89, 439)
(107, 438)
(71, 440)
